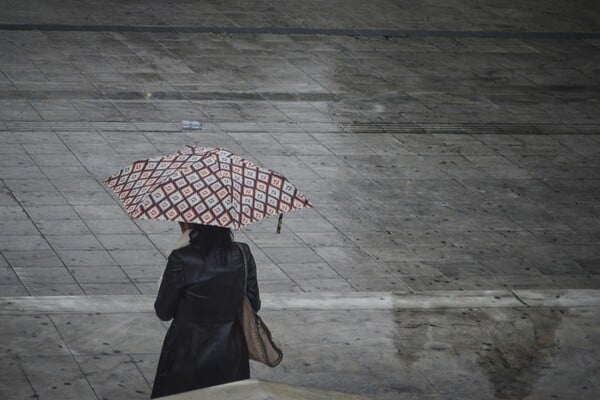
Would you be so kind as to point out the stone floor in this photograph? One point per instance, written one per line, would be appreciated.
(468, 345)
(446, 147)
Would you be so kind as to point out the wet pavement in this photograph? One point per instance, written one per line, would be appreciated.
(446, 148)
(431, 345)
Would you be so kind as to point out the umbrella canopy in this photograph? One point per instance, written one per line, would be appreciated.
(204, 185)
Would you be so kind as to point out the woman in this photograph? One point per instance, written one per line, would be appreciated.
(201, 290)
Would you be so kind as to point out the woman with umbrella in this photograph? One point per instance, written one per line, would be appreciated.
(209, 191)
(201, 290)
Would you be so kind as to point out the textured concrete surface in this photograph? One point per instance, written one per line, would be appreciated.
(466, 159)
(61, 348)
(447, 147)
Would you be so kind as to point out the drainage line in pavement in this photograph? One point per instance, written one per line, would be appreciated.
(300, 31)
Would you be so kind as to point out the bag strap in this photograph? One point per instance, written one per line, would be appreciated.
(245, 267)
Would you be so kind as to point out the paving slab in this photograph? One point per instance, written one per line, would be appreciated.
(114, 376)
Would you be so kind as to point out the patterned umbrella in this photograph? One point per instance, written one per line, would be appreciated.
(204, 185)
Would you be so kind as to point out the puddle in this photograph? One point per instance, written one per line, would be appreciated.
(508, 347)
(517, 353)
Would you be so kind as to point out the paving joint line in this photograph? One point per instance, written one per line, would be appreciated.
(518, 298)
(364, 32)
(37, 228)
(84, 221)
(2, 256)
(390, 127)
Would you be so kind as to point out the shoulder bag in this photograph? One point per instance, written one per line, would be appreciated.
(261, 347)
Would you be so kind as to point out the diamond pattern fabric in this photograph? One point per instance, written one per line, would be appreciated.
(204, 185)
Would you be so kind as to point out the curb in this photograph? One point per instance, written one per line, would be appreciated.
(320, 301)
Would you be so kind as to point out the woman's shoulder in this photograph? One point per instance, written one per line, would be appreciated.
(183, 253)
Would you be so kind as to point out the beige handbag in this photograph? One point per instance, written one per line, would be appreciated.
(261, 347)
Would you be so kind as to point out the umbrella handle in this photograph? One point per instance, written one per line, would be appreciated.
(279, 223)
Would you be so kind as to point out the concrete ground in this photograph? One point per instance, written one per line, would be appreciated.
(449, 149)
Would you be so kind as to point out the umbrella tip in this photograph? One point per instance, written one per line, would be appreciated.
(279, 223)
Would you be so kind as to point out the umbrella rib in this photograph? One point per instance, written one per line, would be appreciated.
(229, 191)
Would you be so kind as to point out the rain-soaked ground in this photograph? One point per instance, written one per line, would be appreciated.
(470, 345)
(448, 148)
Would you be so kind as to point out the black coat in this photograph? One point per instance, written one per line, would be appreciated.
(204, 345)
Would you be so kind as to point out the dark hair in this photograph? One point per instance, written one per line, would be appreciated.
(212, 239)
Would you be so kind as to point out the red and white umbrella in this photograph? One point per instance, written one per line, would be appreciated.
(204, 185)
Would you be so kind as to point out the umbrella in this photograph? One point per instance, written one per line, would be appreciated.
(204, 185)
